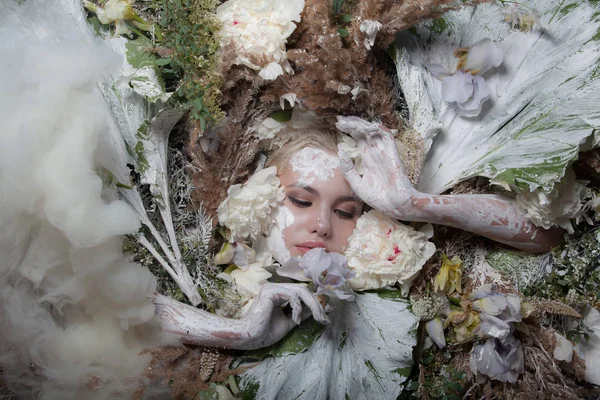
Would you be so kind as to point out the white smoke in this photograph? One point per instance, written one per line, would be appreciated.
(74, 313)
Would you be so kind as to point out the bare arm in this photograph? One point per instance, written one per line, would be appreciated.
(263, 324)
(386, 187)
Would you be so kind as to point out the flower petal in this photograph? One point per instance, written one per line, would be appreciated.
(483, 56)
(472, 107)
(435, 330)
(290, 97)
(457, 87)
(271, 71)
(292, 269)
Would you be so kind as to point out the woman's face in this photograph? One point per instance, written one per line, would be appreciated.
(324, 207)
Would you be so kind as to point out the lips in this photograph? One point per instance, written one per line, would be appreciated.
(311, 244)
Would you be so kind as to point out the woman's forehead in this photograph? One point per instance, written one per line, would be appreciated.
(311, 164)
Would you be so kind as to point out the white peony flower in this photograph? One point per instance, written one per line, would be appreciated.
(370, 28)
(259, 29)
(247, 210)
(382, 252)
(563, 203)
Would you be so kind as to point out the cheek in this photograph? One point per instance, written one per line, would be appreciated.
(343, 229)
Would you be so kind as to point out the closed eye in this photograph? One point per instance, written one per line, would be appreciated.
(345, 214)
(299, 203)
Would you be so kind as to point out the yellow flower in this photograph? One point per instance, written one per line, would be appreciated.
(449, 277)
(117, 12)
(465, 330)
(465, 323)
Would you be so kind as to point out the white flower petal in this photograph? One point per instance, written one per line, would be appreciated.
(356, 90)
(290, 97)
(271, 71)
(483, 56)
(564, 348)
(259, 29)
(382, 252)
(481, 92)
(437, 70)
(247, 210)
(435, 330)
(370, 28)
(457, 87)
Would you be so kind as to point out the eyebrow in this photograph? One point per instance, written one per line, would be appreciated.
(314, 191)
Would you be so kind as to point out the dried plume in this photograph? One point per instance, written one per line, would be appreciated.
(554, 307)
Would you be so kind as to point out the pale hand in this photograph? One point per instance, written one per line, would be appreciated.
(264, 324)
(384, 184)
(266, 320)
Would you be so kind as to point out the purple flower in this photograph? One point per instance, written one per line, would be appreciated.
(329, 272)
(496, 311)
(500, 359)
(466, 86)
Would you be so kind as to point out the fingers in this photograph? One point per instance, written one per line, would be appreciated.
(351, 174)
(296, 309)
(356, 127)
(359, 129)
(295, 294)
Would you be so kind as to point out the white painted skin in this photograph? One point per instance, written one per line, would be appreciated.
(385, 186)
(264, 324)
(311, 163)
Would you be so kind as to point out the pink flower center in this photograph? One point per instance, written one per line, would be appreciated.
(397, 252)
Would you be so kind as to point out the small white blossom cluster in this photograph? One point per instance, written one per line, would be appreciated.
(382, 252)
(259, 30)
(247, 210)
(427, 307)
(466, 86)
(517, 18)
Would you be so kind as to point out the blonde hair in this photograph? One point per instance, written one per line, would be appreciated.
(315, 137)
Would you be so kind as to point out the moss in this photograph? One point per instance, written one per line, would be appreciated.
(190, 30)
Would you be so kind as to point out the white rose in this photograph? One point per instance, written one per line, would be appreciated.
(247, 210)
(382, 252)
(259, 28)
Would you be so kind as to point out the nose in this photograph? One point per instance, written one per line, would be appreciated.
(322, 224)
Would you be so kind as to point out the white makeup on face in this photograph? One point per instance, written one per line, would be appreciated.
(310, 163)
(283, 218)
(323, 204)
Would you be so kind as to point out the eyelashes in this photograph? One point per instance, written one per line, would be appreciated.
(299, 203)
(340, 213)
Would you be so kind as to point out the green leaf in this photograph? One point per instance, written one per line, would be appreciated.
(138, 52)
(544, 105)
(343, 32)
(163, 61)
(366, 350)
(282, 116)
(346, 18)
(295, 342)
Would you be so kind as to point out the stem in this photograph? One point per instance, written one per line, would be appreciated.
(144, 242)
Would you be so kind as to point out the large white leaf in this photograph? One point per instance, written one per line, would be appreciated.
(544, 104)
(366, 353)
